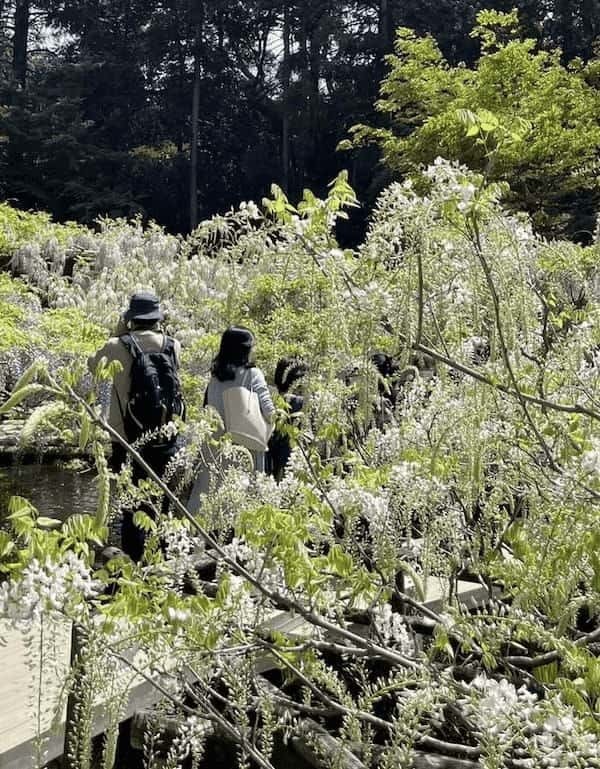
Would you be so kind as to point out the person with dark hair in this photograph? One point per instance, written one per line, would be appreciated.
(387, 385)
(287, 373)
(232, 367)
(138, 333)
(383, 363)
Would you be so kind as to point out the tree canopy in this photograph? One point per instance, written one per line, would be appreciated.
(519, 115)
(123, 107)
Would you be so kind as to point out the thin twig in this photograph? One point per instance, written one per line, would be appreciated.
(563, 407)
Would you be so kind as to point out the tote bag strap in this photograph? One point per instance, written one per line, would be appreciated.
(249, 385)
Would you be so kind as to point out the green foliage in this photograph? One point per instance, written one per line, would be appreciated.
(15, 305)
(519, 116)
(488, 465)
(21, 227)
(44, 538)
(68, 330)
(12, 335)
(492, 26)
(20, 395)
(11, 288)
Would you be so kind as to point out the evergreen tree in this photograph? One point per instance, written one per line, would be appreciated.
(180, 109)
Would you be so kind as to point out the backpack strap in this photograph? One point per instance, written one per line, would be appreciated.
(132, 345)
(169, 345)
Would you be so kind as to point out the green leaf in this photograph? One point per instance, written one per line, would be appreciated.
(79, 529)
(6, 544)
(143, 521)
(18, 396)
(546, 674)
(47, 523)
(19, 507)
(441, 641)
(415, 578)
(223, 589)
(339, 561)
(28, 375)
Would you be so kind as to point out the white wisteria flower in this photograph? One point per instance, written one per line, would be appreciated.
(48, 587)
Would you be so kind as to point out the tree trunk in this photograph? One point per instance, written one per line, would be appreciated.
(314, 68)
(20, 39)
(198, 20)
(314, 99)
(564, 14)
(194, 143)
(385, 37)
(182, 89)
(384, 28)
(285, 82)
(590, 24)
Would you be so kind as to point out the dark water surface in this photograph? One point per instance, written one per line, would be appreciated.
(54, 490)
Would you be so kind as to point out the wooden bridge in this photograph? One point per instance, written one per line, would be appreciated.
(31, 731)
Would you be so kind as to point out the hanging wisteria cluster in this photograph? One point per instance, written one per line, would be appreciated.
(475, 457)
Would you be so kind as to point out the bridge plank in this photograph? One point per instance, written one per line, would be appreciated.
(25, 718)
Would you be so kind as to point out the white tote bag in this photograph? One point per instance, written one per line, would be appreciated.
(244, 419)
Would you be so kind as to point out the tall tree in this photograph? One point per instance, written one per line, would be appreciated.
(519, 117)
(20, 41)
(285, 99)
(198, 28)
(575, 26)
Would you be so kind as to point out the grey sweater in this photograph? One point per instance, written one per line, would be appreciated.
(251, 379)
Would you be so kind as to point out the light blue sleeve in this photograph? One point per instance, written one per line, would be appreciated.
(259, 385)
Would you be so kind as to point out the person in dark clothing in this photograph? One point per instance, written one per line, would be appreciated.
(387, 387)
(142, 321)
(287, 372)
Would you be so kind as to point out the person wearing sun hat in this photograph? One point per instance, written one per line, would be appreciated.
(142, 321)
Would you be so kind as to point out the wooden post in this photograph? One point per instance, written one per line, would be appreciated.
(75, 700)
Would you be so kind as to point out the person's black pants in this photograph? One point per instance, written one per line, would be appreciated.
(157, 457)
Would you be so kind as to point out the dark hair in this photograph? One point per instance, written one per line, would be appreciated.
(288, 371)
(382, 362)
(234, 351)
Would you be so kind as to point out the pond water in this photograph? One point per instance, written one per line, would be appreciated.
(56, 491)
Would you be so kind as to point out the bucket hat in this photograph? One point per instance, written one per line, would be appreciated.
(144, 306)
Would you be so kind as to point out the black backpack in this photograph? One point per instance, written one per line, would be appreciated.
(155, 394)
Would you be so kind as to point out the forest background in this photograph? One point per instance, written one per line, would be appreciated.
(179, 109)
(467, 277)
